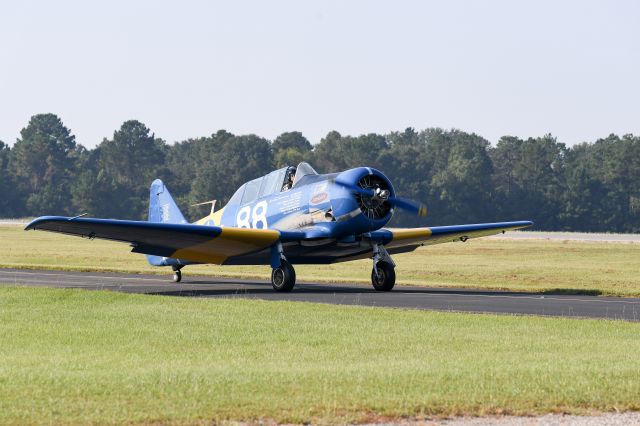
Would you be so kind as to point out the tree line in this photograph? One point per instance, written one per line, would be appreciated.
(592, 186)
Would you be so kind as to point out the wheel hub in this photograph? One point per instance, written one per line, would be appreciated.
(278, 276)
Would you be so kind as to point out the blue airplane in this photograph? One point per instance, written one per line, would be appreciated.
(290, 216)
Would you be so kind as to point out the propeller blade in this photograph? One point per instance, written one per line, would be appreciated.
(408, 205)
(357, 189)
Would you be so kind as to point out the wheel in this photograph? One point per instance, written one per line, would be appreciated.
(283, 278)
(386, 278)
(177, 276)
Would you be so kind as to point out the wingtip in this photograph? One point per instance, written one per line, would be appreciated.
(524, 224)
(42, 219)
(32, 225)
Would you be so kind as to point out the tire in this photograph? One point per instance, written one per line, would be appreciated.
(177, 276)
(283, 278)
(386, 278)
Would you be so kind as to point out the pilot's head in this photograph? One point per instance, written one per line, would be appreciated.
(291, 172)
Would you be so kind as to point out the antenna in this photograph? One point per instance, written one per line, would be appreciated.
(80, 215)
(212, 202)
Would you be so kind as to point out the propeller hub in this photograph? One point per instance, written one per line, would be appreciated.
(374, 206)
(381, 194)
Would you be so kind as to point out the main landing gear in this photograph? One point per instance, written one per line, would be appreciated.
(283, 276)
(383, 275)
(177, 275)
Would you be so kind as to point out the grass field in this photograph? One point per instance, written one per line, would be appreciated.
(73, 356)
(531, 265)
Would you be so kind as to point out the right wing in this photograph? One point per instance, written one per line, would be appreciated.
(195, 243)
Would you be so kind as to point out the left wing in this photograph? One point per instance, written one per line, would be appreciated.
(392, 238)
(195, 243)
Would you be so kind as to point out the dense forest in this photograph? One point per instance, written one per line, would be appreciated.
(460, 176)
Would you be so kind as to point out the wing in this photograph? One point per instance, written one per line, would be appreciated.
(194, 243)
(392, 238)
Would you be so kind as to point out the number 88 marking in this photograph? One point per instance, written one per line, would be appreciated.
(258, 215)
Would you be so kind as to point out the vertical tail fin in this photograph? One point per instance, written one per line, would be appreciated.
(162, 208)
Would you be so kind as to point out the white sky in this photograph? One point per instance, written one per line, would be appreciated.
(189, 68)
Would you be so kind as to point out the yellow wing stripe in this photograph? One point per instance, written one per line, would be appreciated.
(444, 234)
(403, 237)
(230, 242)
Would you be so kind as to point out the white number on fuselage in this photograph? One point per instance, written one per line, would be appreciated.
(247, 218)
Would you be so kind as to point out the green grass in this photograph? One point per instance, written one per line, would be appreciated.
(551, 266)
(73, 356)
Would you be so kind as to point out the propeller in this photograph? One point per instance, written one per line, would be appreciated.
(384, 195)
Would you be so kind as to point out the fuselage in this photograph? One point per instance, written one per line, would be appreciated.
(321, 205)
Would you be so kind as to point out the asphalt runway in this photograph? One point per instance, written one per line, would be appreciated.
(440, 299)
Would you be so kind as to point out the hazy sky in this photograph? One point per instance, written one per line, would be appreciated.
(188, 68)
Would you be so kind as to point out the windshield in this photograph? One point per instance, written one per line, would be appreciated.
(303, 169)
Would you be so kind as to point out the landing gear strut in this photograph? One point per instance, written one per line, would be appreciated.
(177, 275)
(383, 275)
(283, 276)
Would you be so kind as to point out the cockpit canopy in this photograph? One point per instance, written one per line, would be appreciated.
(303, 169)
(278, 180)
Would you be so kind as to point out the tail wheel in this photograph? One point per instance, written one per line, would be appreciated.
(283, 278)
(177, 276)
(385, 278)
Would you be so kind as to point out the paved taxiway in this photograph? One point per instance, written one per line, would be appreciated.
(442, 299)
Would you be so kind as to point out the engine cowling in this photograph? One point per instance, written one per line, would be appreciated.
(362, 212)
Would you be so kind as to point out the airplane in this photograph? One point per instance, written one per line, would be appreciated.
(292, 215)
